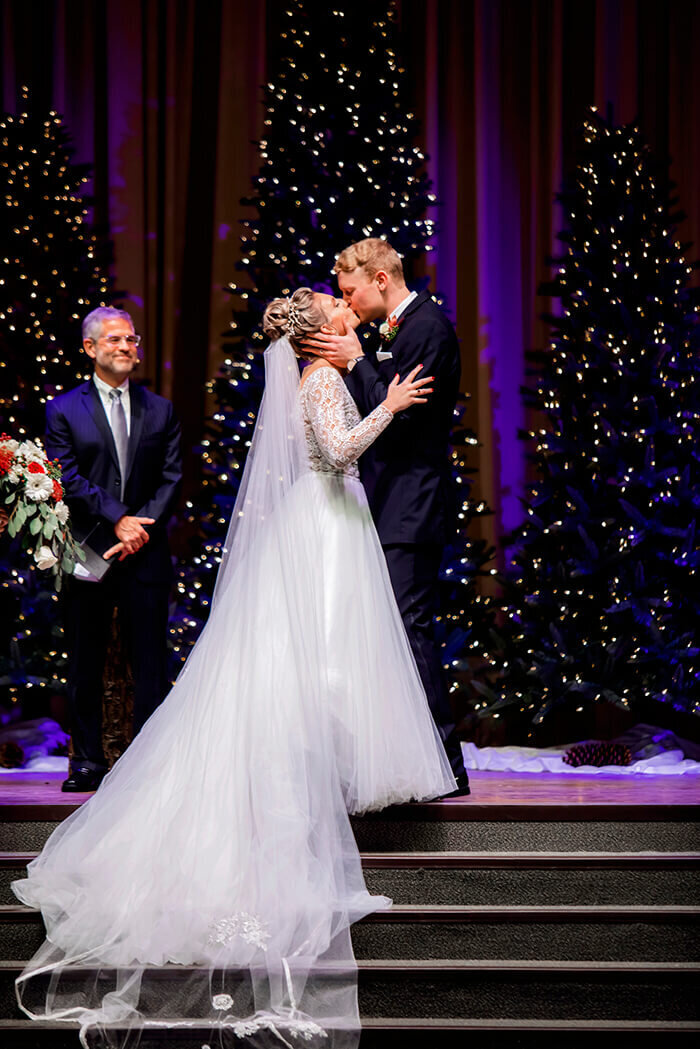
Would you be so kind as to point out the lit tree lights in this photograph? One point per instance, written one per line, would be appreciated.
(465, 627)
(603, 590)
(51, 267)
(51, 275)
(338, 162)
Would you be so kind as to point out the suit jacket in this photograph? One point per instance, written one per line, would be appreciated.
(79, 436)
(406, 472)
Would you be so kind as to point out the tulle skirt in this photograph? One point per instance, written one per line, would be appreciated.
(212, 879)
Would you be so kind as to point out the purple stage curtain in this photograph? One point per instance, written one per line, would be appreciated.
(501, 87)
(163, 96)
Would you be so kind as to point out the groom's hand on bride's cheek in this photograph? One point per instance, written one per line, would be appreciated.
(336, 349)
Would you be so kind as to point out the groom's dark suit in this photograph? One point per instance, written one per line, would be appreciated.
(79, 436)
(406, 474)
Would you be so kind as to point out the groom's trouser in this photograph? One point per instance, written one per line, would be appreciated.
(414, 571)
(143, 620)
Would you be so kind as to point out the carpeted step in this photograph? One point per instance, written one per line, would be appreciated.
(448, 831)
(652, 878)
(608, 933)
(531, 878)
(418, 1033)
(462, 825)
(493, 989)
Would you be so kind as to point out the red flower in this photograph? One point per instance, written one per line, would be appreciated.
(36, 468)
(57, 491)
(5, 461)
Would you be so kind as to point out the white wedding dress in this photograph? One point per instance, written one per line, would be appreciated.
(211, 881)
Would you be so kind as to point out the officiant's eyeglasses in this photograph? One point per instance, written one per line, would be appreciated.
(114, 340)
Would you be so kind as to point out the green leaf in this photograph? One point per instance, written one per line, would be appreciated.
(35, 525)
(49, 528)
(12, 527)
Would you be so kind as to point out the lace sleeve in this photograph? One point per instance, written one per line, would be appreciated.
(324, 395)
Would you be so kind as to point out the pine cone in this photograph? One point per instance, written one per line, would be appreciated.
(11, 755)
(598, 754)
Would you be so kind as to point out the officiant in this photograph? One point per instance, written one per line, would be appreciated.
(119, 448)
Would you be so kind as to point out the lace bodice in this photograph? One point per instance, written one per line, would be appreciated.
(335, 432)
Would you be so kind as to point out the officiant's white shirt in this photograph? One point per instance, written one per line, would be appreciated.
(104, 389)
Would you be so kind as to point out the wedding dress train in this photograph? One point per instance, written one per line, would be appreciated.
(212, 880)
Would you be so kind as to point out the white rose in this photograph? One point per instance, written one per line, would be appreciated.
(38, 487)
(62, 512)
(32, 452)
(13, 477)
(9, 445)
(384, 328)
(45, 558)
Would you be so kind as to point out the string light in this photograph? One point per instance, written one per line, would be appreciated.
(338, 161)
(603, 597)
(50, 276)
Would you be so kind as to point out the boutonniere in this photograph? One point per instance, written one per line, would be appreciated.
(388, 329)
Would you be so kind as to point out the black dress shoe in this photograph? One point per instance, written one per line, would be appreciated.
(82, 780)
(462, 787)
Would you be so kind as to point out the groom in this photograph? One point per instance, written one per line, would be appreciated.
(406, 472)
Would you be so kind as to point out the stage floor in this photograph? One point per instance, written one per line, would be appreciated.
(492, 792)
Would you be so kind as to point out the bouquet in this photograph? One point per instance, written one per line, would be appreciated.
(31, 495)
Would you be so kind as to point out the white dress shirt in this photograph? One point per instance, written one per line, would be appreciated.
(104, 390)
(403, 305)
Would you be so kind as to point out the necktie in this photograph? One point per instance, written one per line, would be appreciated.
(119, 432)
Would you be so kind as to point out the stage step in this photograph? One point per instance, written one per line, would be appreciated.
(435, 827)
(530, 878)
(517, 923)
(458, 826)
(488, 989)
(416, 931)
(652, 878)
(418, 1033)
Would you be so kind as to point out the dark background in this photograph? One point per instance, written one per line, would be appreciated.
(163, 98)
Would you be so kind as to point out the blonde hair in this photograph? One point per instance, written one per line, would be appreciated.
(371, 255)
(295, 317)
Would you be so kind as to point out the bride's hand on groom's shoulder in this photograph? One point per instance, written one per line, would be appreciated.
(336, 349)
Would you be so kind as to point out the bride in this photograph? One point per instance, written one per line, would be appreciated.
(211, 881)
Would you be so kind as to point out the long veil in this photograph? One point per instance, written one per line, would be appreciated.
(211, 882)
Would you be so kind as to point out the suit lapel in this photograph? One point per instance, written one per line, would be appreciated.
(137, 412)
(94, 406)
(415, 304)
(394, 346)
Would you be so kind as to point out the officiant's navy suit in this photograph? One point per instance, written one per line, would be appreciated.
(79, 436)
(407, 477)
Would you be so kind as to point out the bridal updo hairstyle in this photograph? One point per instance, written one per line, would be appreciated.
(295, 317)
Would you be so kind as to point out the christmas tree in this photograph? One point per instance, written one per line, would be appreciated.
(338, 163)
(602, 585)
(465, 627)
(52, 272)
